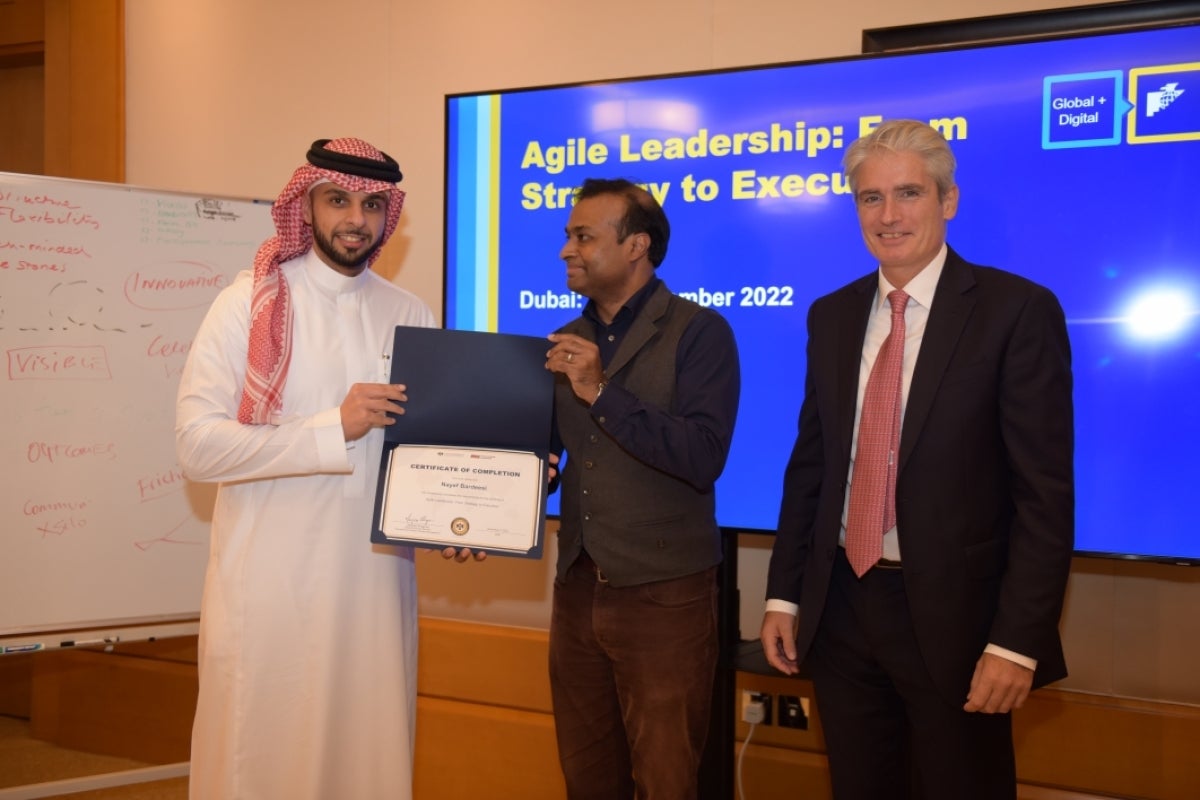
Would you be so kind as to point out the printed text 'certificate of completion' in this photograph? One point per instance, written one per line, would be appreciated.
(459, 497)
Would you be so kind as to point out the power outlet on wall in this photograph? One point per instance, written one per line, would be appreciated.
(756, 707)
(793, 712)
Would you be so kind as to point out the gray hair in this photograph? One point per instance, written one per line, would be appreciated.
(905, 136)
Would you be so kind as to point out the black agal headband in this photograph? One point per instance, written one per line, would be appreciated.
(386, 170)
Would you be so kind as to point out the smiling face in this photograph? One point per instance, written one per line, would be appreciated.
(347, 226)
(902, 218)
(599, 265)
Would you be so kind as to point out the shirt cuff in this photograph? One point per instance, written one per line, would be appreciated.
(1025, 661)
(332, 447)
(785, 606)
(1016, 658)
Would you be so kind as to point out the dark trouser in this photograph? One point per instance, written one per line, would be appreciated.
(889, 733)
(631, 676)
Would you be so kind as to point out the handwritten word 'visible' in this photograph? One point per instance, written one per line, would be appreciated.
(58, 363)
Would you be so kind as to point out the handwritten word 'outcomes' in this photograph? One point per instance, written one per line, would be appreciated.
(53, 452)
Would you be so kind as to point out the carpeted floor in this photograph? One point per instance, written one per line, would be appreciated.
(25, 760)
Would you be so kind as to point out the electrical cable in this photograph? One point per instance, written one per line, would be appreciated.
(741, 755)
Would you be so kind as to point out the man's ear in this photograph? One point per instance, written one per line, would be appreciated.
(641, 244)
(306, 208)
(950, 203)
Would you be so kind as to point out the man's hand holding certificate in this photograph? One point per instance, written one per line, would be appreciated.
(465, 466)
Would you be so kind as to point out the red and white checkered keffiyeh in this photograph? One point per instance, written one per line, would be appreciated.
(270, 307)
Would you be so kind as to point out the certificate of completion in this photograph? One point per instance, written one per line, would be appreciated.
(463, 497)
(465, 465)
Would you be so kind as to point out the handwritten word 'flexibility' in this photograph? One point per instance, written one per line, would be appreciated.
(73, 219)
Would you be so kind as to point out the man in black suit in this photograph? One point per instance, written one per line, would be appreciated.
(919, 653)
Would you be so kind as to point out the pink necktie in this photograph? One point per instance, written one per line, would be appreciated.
(873, 491)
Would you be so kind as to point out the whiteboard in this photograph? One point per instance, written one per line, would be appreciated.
(102, 288)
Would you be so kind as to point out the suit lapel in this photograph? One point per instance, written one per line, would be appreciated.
(953, 302)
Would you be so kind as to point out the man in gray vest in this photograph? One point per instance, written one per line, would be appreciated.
(646, 395)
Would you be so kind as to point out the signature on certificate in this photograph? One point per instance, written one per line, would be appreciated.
(418, 522)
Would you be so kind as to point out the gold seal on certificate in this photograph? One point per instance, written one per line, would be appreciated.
(463, 497)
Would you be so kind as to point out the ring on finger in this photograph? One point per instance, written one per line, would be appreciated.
(570, 357)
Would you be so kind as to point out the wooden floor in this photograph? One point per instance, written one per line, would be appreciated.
(25, 760)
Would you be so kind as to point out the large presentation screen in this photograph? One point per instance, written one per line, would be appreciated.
(1079, 165)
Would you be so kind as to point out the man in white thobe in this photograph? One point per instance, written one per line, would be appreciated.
(308, 632)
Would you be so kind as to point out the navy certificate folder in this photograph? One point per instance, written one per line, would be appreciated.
(471, 391)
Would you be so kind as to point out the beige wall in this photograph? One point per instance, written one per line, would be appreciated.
(224, 96)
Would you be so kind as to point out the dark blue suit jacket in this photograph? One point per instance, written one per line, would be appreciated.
(985, 486)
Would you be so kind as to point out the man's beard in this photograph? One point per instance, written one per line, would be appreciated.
(350, 261)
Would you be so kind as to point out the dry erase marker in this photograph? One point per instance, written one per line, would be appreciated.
(21, 648)
(90, 642)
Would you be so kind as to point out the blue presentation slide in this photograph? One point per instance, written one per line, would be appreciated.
(1078, 158)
